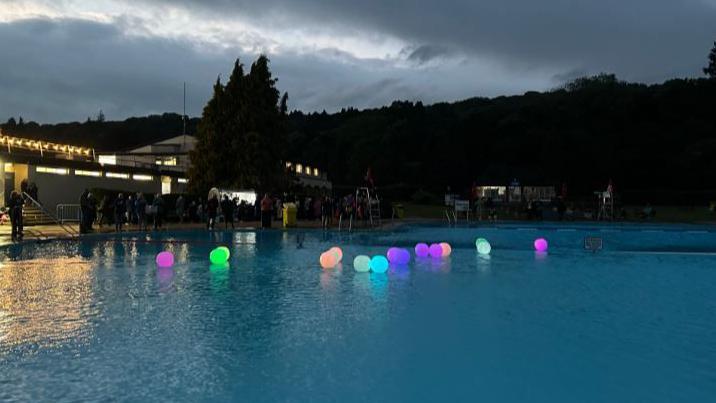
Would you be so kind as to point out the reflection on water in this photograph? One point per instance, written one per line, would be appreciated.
(165, 279)
(44, 301)
(219, 277)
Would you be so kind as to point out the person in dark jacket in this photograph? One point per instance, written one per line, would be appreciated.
(84, 211)
(141, 212)
(227, 209)
(158, 207)
(120, 212)
(212, 207)
(16, 204)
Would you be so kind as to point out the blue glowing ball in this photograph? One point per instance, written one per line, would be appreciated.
(422, 250)
(379, 264)
(403, 257)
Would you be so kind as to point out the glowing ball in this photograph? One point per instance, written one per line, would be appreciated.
(403, 257)
(541, 245)
(165, 259)
(436, 250)
(328, 260)
(393, 255)
(361, 263)
(379, 264)
(483, 247)
(219, 255)
(337, 252)
(446, 249)
(422, 250)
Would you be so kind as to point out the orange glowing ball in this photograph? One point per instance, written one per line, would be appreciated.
(337, 252)
(328, 260)
(447, 250)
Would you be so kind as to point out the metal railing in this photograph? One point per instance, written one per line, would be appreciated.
(68, 229)
(69, 213)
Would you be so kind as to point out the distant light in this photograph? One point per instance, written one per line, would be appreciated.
(80, 172)
(138, 177)
(55, 171)
(107, 159)
(182, 180)
(116, 175)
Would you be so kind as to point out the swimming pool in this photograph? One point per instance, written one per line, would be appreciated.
(97, 320)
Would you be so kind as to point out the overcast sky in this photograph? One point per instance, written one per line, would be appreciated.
(64, 60)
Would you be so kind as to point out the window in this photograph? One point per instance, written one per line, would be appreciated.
(166, 185)
(80, 172)
(142, 177)
(9, 167)
(299, 168)
(108, 159)
(117, 175)
(315, 171)
(167, 161)
(183, 180)
(56, 171)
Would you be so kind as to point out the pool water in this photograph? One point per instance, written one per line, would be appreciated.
(96, 320)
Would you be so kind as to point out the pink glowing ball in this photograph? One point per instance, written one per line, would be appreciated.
(447, 249)
(541, 245)
(436, 250)
(165, 259)
(422, 250)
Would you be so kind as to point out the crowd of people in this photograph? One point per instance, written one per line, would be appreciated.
(120, 211)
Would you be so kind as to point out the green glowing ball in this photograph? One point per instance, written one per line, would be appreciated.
(361, 263)
(219, 255)
(483, 247)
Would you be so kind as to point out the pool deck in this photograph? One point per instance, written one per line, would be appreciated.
(43, 232)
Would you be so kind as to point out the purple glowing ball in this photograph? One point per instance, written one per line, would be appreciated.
(541, 245)
(422, 250)
(436, 250)
(402, 257)
(165, 259)
(393, 255)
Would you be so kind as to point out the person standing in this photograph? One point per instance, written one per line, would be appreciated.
(266, 205)
(120, 211)
(158, 207)
(84, 211)
(16, 204)
(227, 209)
(141, 212)
(212, 209)
(179, 208)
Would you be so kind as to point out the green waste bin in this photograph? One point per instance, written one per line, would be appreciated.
(289, 215)
(399, 211)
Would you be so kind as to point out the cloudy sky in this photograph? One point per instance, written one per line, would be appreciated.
(64, 60)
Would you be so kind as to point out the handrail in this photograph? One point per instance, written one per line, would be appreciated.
(71, 231)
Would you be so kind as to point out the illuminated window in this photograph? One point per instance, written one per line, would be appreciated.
(168, 161)
(56, 171)
(9, 167)
(117, 175)
(80, 172)
(315, 171)
(288, 165)
(182, 180)
(142, 177)
(299, 168)
(108, 159)
(166, 185)
(307, 170)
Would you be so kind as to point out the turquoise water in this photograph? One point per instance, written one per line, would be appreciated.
(97, 321)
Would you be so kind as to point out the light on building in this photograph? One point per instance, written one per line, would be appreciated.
(117, 175)
(299, 168)
(182, 180)
(55, 171)
(9, 167)
(315, 171)
(108, 159)
(138, 177)
(80, 172)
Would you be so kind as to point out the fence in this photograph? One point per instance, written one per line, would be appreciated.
(68, 213)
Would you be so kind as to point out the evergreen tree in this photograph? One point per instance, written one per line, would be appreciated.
(710, 70)
(242, 134)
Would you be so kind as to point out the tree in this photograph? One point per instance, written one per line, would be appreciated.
(710, 70)
(242, 134)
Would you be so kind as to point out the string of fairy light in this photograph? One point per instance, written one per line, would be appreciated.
(41, 146)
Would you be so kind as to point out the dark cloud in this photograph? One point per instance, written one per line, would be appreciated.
(426, 53)
(643, 40)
